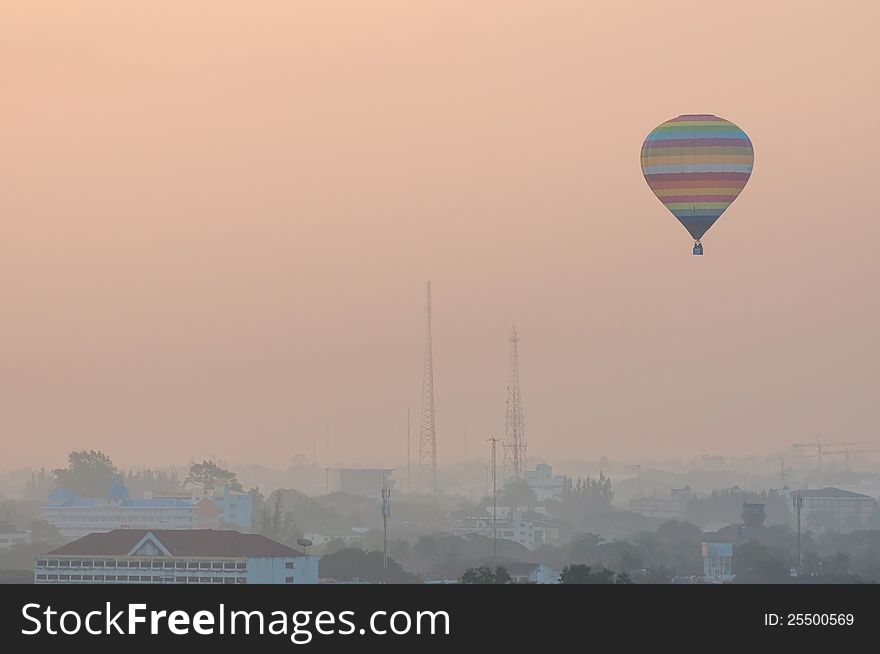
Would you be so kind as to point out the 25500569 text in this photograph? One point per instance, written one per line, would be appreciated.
(809, 619)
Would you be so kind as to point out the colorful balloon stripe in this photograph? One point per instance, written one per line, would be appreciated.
(697, 165)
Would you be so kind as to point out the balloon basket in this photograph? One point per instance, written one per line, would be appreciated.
(698, 248)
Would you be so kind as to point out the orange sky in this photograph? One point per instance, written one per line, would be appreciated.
(218, 217)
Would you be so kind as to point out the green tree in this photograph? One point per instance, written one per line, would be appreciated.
(578, 573)
(207, 475)
(277, 524)
(484, 575)
(353, 564)
(517, 493)
(89, 473)
(754, 563)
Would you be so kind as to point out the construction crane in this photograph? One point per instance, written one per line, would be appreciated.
(846, 452)
(823, 450)
(817, 445)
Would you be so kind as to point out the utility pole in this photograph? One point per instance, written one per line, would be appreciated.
(798, 502)
(386, 512)
(494, 440)
(327, 480)
(639, 478)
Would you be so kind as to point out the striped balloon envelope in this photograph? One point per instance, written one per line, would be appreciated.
(697, 165)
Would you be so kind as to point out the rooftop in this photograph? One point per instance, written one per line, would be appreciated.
(136, 503)
(832, 493)
(178, 542)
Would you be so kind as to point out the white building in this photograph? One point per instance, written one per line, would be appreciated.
(175, 556)
(848, 509)
(510, 525)
(545, 484)
(10, 537)
(77, 516)
(352, 537)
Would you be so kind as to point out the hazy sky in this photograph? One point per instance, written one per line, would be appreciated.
(217, 220)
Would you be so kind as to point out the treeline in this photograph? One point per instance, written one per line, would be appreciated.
(91, 473)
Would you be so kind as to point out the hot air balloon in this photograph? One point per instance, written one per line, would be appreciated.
(697, 165)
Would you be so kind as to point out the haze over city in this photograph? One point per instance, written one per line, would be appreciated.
(218, 223)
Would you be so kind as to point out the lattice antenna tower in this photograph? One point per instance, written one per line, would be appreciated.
(428, 439)
(514, 438)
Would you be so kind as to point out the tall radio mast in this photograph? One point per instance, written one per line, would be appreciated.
(514, 439)
(428, 440)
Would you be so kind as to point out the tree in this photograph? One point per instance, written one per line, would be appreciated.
(275, 523)
(157, 483)
(89, 473)
(578, 573)
(45, 533)
(207, 475)
(353, 564)
(39, 485)
(754, 563)
(518, 493)
(582, 547)
(484, 575)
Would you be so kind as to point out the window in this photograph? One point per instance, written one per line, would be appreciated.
(193, 564)
(217, 580)
(64, 564)
(53, 563)
(156, 579)
(76, 564)
(229, 565)
(288, 580)
(180, 580)
(122, 578)
(289, 565)
(41, 563)
(193, 580)
(229, 580)
(41, 576)
(240, 566)
(205, 565)
(217, 565)
(205, 580)
(240, 580)
(169, 564)
(101, 564)
(101, 577)
(122, 564)
(64, 577)
(52, 577)
(87, 577)
(158, 564)
(76, 577)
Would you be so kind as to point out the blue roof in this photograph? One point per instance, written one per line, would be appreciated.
(157, 503)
